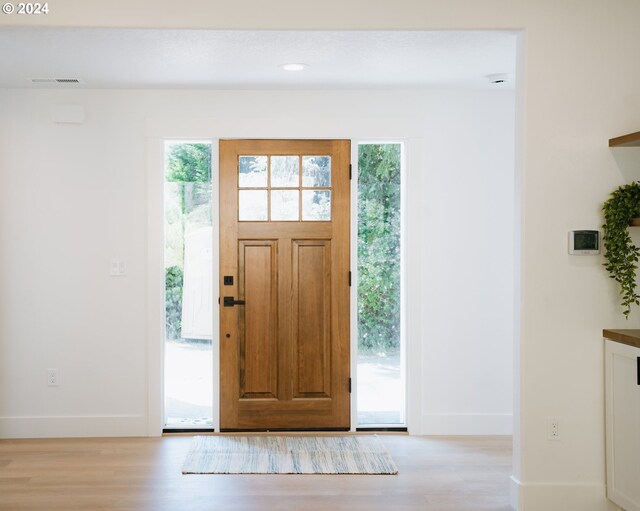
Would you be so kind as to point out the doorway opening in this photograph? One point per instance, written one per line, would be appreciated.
(188, 266)
(381, 350)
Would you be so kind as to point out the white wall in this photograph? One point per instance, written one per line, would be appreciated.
(74, 196)
(71, 198)
(468, 265)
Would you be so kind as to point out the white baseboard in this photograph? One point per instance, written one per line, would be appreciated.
(560, 497)
(80, 426)
(514, 493)
(467, 424)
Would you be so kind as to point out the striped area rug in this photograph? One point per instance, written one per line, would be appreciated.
(231, 454)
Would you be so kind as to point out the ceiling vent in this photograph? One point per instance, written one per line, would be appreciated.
(56, 80)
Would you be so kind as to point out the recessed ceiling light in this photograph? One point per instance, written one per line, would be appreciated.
(294, 67)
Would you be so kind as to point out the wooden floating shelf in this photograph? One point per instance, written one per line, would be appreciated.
(630, 140)
(630, 337)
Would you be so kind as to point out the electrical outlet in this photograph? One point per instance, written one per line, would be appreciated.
(52, 377)
(553, 428)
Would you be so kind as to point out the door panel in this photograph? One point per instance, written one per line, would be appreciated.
(284, 350)
(312, 318)
(258, 335)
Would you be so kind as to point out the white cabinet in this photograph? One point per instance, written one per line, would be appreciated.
(622, 397)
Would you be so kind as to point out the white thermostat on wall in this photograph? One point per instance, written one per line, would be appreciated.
(584, 242)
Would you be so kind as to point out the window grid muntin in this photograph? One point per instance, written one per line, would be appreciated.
(300, 188)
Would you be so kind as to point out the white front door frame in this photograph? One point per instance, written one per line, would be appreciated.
(386, 129)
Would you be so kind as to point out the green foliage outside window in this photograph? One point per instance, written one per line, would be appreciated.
(188, 191)
(173, 301)
(379, 247)
(190, 163)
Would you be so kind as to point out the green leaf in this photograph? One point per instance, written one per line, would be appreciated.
(621, 254)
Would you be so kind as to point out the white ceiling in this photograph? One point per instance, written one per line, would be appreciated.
(132, 58)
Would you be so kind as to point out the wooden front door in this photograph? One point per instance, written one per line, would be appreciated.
(284, 284)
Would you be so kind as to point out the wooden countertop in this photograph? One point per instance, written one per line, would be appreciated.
(629, 337)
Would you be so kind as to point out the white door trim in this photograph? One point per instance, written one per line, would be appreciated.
(212, 130)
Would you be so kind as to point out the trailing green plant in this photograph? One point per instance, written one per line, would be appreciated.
(620, 252)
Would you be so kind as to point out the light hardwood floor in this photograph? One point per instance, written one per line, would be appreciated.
(127, 474)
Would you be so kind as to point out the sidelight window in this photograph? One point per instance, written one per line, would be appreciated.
(381, 387)
(188, 261)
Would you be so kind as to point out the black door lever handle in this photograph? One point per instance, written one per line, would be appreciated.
(230, 301)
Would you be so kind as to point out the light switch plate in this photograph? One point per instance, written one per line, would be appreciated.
(118, 267)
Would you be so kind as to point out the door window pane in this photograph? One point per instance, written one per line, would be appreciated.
(316, 205)
(285, 205)
(316, 171)
(275, 188)
(285, 171)
(252, 172)
(252, 205)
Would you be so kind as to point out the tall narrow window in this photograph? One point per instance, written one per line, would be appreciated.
(381, 392)
(188, 262)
